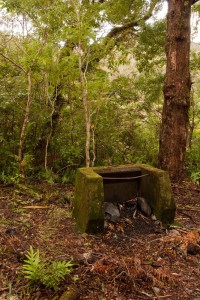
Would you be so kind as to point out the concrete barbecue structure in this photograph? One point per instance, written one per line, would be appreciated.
(118, 184)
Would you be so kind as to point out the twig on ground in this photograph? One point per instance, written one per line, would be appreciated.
(123, 272)
(187, 215)
(164, 296)
(4, 289)
(185, 188)
(145, 293)
(188, 209)
(126, 266)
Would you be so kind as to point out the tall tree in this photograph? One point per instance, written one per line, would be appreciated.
(175, 116)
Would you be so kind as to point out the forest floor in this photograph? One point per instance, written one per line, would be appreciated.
(133, 259)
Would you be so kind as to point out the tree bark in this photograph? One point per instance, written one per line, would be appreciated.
(175, 115)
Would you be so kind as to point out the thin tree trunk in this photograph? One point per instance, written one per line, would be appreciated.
(47, 144)
(175, 115)
(86, 105)
(49, 129)
(84, 89)
(24, 126)
(93, 145)
(72, 121)
(192, 122)
(52, 103)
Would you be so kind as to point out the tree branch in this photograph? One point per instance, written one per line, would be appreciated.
(194, 1)
(116, 30)
(13, 62)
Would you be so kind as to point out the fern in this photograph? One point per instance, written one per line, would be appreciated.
(50, 274)
(55, 272)
(31, 267)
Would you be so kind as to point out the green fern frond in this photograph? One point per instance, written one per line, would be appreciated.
(49, 274)
(31, 266)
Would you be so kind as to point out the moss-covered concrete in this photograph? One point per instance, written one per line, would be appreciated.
(89, 201)
(89, 194)
(156, 189)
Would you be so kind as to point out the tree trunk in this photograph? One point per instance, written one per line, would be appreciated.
(175, 115)
(83, 65)
(24, 126)
(52, 103)
(93, 145)
(192, 121)
(49, 128)
(86, 105)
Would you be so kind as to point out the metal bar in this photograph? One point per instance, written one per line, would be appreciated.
(125, 178)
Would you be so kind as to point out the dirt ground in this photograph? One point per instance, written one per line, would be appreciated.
(133, 259)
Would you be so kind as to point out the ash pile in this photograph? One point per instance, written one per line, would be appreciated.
(135, 211)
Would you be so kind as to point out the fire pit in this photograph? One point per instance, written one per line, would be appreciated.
(118, 184)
